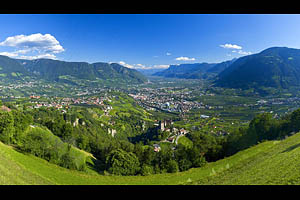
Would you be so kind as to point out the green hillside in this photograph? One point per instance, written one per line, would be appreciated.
(272, 162)
(12, 71)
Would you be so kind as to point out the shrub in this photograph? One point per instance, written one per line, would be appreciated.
(172, 166)
(184, 164)
(6, 127)
(146, 170)
(67, 161)
(119, 162)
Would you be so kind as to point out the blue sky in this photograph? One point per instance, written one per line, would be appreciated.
(145, 40)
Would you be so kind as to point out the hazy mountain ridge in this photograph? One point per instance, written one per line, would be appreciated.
(193, 71)
(149, 72)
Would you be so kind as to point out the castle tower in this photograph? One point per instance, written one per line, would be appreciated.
(162, 125)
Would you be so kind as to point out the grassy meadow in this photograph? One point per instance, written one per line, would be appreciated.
(271, 162)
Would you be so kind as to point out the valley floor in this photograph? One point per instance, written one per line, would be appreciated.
(271, 162)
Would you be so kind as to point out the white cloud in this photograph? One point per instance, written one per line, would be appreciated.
(15, 54)
(237, 49)
(244, 52)
(230, 46)
(39, 45)
(39, 42)
(126, 65)
(168, 54)
(23, 51)
(160, 66)
(152, 67)
(141, 66)
(49, 56)
(9, 54)
(185, 58)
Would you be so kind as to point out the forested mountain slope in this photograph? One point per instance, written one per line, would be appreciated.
(70, 72)
(277, 67)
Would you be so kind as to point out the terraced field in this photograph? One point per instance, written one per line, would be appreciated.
(271, 162)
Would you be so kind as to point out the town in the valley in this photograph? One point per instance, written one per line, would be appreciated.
(165, 99)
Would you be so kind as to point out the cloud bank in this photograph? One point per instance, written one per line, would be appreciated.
(32, 46)
(141, 66)
(244, 52)
(236, 49)
(230, 46)
(126, 65)
(185, 58)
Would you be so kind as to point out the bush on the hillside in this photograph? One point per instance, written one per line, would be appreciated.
(260, 126)
(7, 128)
(146, 170)
(21, 123)
(184, 164)
(208, 145)
(199, 161)
(196, 157)
(148, 155)
(120, 162)
(295, 120)
(67, 161)
(172, 166)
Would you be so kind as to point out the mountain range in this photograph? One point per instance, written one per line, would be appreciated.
(55, 70)
(275, 67)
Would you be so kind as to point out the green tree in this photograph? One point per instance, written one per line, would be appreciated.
(138, 151)
(295, 120)
(120, 162)
(21, 122)
(66, 131)
(172, 166)
(196, 157)
(83, 142)
(6, 127)
(148, 156)
(67, 161)
(184, 164)
(260, 126)
(207, 144)
(146, 170)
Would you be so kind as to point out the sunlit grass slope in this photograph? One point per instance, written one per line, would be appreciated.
(272, 162)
